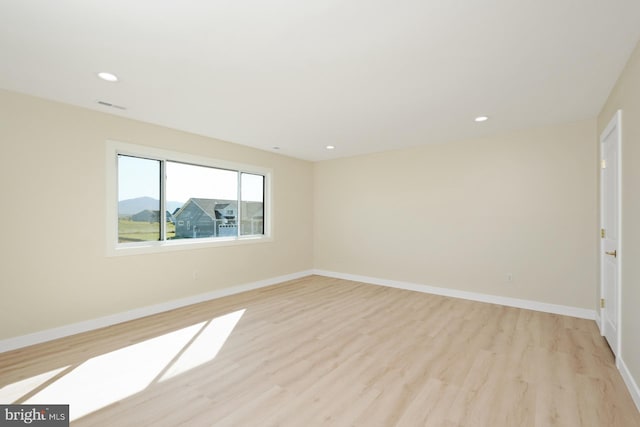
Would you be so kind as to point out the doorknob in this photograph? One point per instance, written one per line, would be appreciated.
(612, 253)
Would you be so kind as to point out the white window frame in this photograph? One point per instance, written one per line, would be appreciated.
(114, 248)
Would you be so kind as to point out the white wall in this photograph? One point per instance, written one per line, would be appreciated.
(54, 271)
(464, 215)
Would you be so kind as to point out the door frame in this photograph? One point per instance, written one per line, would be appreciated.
(614, 125)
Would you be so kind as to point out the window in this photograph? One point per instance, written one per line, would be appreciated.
(138, 199)
(166, 200)
(202, 196)
(252, 205)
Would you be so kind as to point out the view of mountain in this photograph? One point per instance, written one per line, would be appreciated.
(133, 206)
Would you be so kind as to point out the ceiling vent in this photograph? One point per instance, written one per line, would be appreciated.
(108, 104)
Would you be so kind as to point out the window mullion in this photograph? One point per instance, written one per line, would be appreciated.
(239, 209)
(163, 204)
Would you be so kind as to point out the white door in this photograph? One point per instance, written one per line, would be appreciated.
(610, 232)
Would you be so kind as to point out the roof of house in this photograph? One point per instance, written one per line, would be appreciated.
(208, 206)
(252, 210)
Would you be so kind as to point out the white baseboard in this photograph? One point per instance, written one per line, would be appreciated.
(632, 385)
(598, 321)
(89, 325)
(582, 313)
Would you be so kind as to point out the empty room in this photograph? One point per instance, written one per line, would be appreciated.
(408, 213)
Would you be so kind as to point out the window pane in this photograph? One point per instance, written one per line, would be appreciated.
(203, 201)
(252, 204)
(138, 199)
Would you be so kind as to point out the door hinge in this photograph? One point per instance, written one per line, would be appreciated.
(603, 164)
(601, 302)
(602, 233)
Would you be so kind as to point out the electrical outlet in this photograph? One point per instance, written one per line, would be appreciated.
(195, 274)
(509, 278)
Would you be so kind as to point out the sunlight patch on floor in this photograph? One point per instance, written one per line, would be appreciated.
(13, 392)
(108, 378)
(206, 347)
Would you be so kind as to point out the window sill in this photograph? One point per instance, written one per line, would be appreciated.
(181, 245)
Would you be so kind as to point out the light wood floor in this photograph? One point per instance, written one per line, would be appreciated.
(319, 351)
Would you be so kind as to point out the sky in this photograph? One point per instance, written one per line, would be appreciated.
(139, 177)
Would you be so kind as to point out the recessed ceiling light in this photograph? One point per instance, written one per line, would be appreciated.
(108, 77)
(330, 147)
(481, 119)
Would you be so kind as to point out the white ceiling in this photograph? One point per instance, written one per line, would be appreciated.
(364, 76)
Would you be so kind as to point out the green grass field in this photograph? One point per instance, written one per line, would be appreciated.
(138, 231)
